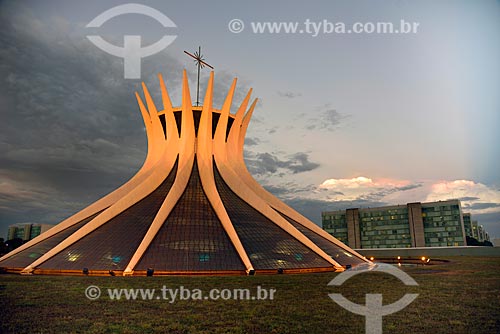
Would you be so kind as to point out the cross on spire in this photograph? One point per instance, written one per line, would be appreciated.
(200, 62)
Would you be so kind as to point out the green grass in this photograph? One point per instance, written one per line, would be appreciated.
(458, 297)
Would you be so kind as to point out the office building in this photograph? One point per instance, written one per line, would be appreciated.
(431, 224)
(26, 231)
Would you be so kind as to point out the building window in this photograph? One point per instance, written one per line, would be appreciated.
(204, 257)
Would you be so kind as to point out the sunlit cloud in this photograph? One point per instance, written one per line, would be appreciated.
(364, 188)
(475, 197)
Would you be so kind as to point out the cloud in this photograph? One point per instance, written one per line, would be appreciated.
(468, 198)
(272, 130)
(289, 189)
(252, 141)
(482, 206)
(13, 187)
(23, 197)
(476, 197)
(384, 192)
(364, 188)
(288, 94)
(329, 119)
(268, 163)
(299, 162)
(356, 182)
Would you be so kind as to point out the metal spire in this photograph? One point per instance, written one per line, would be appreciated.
(200, 62)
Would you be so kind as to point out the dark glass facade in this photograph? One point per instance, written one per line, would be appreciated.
(443, 225)
(336, 225)
(111, 245)
(467, 224)
(340, 255)
(432, 224)
(385, 228)
(192, 238)
(267, 245)
(30, 254)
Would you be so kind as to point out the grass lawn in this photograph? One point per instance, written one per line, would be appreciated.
(462, 296)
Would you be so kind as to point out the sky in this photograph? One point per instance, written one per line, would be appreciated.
(343, 120)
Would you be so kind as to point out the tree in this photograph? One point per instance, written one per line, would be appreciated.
(13, 244)
(474, 242)
(3, 247)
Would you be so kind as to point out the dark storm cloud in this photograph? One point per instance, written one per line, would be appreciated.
(24, 196)
(466, 199)
(379, 194)
(68, 97)
(481, 206)
(268, 163)
(277, 190)
(289, 189)
(299, 162)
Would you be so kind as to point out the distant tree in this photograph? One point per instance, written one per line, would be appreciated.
(13, 243)
(474, 242)
(487, 243)
(3, 247)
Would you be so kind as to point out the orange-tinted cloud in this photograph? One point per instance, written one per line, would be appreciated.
(476, 197)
